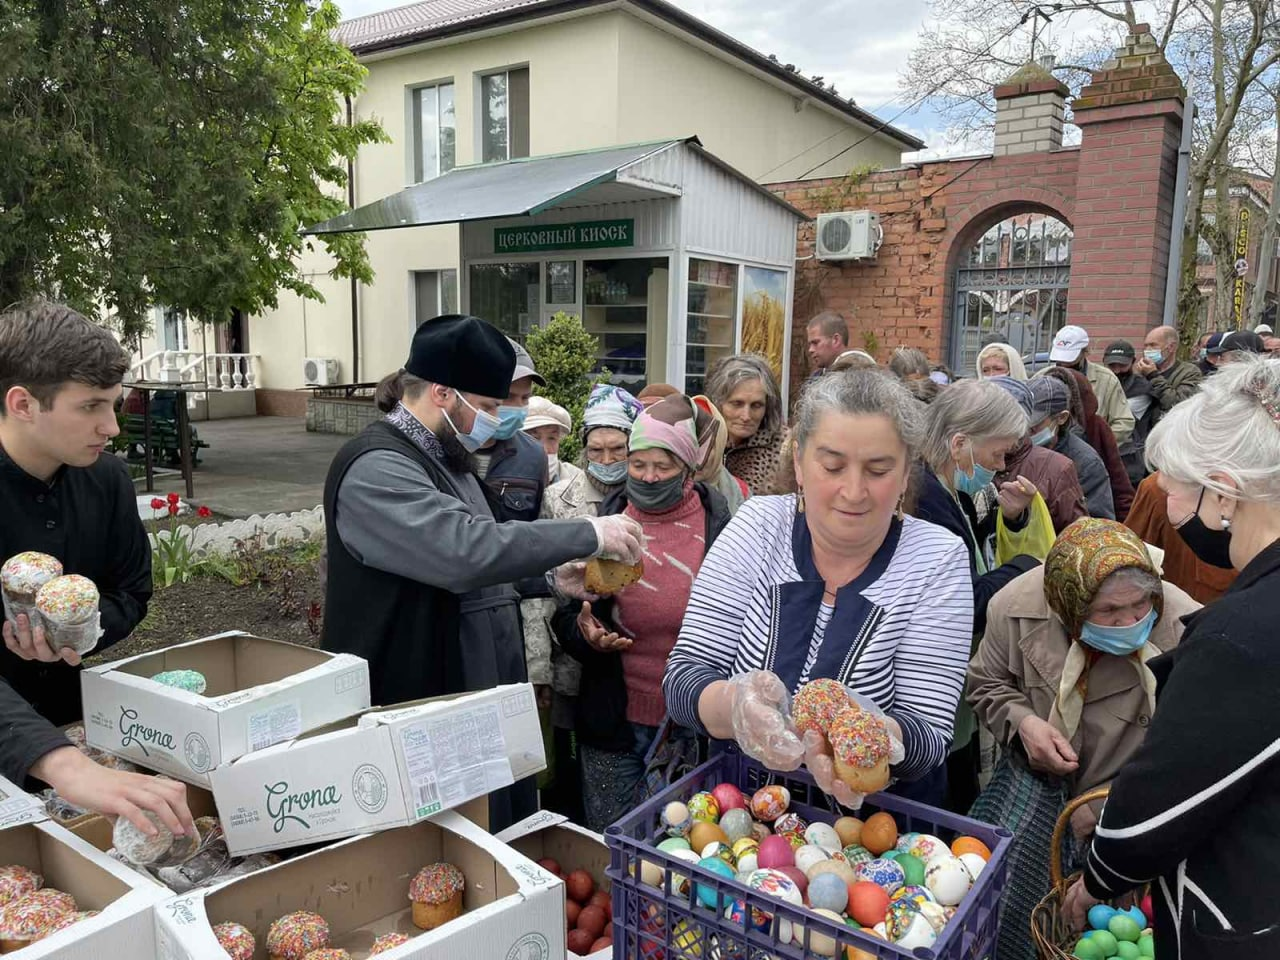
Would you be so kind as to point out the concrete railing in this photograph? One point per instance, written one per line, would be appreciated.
(223, 371)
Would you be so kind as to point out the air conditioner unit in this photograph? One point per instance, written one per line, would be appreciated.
(319, 371)
(853, 235)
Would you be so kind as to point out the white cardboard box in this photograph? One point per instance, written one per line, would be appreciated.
(126, 925)
(547, 834)
(512, 908)
(386, 768)
(260, 692)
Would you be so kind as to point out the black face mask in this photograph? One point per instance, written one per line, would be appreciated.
(1211, 546)
(658, 496)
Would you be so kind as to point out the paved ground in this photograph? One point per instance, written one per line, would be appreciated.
(259, 465)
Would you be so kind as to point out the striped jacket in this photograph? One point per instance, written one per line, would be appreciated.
(1197, 811)
(899, 633)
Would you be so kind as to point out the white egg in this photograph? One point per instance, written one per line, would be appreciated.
(823, 835)
(926, 847)
(808, 855)
(679, 882)
(819, 942)
(920, 933)
(748, 863)
(974, 864)
(935, 913)
(947, 879)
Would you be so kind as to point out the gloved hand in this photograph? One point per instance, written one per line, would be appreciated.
(569, 581)
(620, 538)
(760, 710)
(822, 766)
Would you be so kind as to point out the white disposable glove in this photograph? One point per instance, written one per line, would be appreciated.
(619, 537)
(760, 710)
(568, 581)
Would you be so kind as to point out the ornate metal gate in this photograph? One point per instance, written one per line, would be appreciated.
(1012, 284)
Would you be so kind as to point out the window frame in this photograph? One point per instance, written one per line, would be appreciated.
(413, 124)
(415, 320)
(518, 136)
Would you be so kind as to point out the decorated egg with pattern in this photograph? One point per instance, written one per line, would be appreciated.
(911, 892)
(947, 879)
(789, 823)
(769, 803)
(703, 806)
(883, 873)
(974, 864)
(823, 835)
(760, 831)
(795, 838)
(808, 855)
(736, 824)
(855, 854)
(745, 853)
(720, 851)
(676, 820)
(927, 847)
(905, 841)
(909, 928)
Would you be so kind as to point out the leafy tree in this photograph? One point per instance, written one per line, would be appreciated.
(564, 353)
(167, 151)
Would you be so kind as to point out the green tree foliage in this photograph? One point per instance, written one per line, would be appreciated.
(564, 353)
(167, 151)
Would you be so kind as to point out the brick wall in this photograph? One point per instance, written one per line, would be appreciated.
(1115, 190)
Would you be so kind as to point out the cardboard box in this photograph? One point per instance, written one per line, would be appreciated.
(97, 830)
(260, 692)
(512, 907)
(547, 834)
(126, 925)
(388, 767)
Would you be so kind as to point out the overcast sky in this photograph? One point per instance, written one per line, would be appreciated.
(860, 47)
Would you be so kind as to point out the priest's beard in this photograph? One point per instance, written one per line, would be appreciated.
(456, 457)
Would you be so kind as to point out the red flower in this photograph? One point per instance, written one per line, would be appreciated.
(173, 499)
(204, 512)
(173, 509)
(157, 503)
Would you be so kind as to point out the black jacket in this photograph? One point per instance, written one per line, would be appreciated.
(602, 700)
(1195, 811)
(516, 481)
(936, 505)
(25, 736)
(87, 518)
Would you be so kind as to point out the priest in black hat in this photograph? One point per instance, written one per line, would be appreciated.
(419, 572)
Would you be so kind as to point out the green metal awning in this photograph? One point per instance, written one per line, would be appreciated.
(516, 188)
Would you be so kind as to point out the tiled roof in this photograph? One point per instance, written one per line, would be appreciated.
(429, 19)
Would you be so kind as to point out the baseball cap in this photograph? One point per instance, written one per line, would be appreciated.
(1120, 352)
(544, 413)
(1245, 340)
(1069, 342)
(524, 366)
(1263, 329)
(1214, 344)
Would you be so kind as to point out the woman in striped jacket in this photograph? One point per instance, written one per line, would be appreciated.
(833, 582)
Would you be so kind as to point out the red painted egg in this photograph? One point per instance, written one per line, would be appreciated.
(580, 886)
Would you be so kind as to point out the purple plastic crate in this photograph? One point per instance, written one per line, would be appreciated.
(661, 923)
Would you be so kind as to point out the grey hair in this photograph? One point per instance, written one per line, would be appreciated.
(1230, 427)
(860, 393)
(1144, 580)
(729, 373)
(907, 361)
(979, 409)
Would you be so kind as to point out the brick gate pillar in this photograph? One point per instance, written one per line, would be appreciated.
(1131, 119)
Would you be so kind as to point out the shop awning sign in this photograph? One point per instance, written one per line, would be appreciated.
(588, 235)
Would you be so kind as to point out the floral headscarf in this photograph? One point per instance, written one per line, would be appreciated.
(1081, 559)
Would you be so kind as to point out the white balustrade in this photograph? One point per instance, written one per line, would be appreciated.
(226, 371)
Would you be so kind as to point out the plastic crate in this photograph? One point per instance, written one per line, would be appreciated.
(652, 923)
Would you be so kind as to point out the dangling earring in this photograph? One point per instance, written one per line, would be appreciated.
(901, 500)
(800, 500)
(1226, 523)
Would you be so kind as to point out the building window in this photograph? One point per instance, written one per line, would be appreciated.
(504, 115)
(623, 301)
(506, 294)
(712, 330)
(434, 128)
(174, 329)
(435, 293)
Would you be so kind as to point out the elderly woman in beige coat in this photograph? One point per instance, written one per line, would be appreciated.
(1061, 681)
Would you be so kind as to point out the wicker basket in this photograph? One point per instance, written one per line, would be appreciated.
(1054, 938)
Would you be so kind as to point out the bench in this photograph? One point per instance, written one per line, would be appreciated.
(164, 439)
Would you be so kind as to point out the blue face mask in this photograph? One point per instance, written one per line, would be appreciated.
(1120, 641)
(482, 430)
(1045, 437)
(610, 474)
(972, 483)
(510, 420)
(1155, 356)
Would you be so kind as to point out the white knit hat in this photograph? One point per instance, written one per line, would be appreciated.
(544, 413)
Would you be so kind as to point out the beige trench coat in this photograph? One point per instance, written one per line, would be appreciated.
(1019, 664)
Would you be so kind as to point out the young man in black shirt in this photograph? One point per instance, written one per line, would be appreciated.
(59, 379)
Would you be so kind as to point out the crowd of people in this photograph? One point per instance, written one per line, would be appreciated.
(984, 559)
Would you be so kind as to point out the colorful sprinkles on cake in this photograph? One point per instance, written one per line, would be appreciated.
(192, 681)
(388, 941)
(17, 881)
(295, 935)
(25, 573)
(817, 705)
(236, 940)
(437, 883)
(69, 599)
(858, 739)
(64, 921)
(25, 917)
(328, 953)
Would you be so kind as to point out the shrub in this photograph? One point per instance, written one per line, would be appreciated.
(565, 353)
